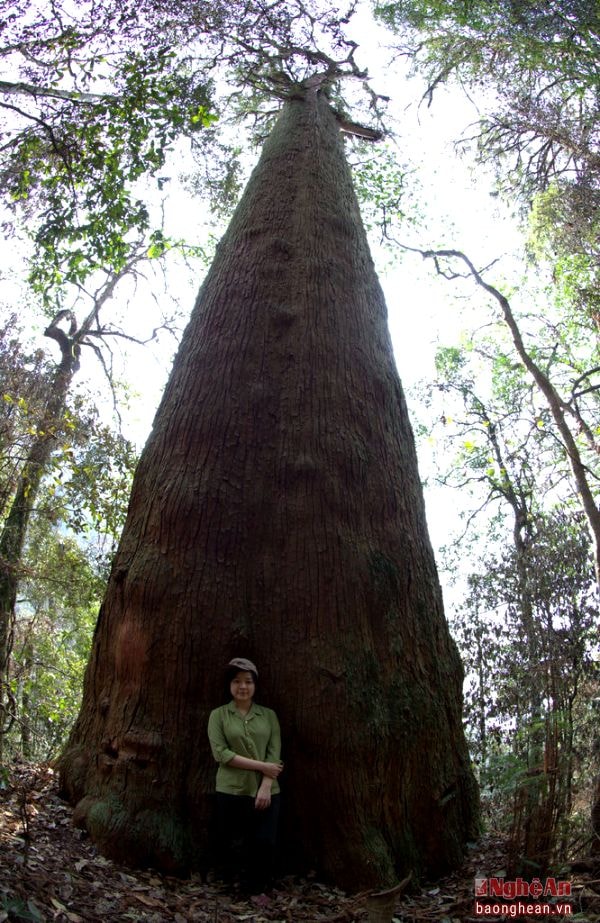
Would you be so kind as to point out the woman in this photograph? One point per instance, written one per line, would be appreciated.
(246, 743)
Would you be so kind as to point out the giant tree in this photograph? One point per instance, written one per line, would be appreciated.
(277, 512)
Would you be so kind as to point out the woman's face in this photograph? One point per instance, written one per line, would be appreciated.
(242, 688)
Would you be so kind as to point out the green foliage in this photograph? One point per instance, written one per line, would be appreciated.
(15, 908)
(25, 376)
(383, 187)
(59, 599)
(91, 467)
(537, 65)
(85, 130)
(78, 171)
(90, 477)
(559, 38)
(88, 132)
(486, 423)
(564, 231)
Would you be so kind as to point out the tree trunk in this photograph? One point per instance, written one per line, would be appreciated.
(559, 409)
(26, 741)
(277, 514)
(14, 530)
(49, 429)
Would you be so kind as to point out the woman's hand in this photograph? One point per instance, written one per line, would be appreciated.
(271, 770)
(263, 796)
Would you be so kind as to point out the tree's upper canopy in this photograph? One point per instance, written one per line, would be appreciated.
(538, 67)
(538, 60)
(491, 39)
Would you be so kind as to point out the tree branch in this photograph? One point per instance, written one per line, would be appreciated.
(35, 92)
(558, 407)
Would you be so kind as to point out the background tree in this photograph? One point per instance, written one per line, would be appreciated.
(576, 432)
(536, 794)
(540, 128)
(61, 466)
(45, 432)
(536, 64)
(25, 375)
(527, 625)
(538, 61)
(277, 511)
(60, 589)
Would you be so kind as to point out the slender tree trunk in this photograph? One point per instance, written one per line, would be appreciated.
(277, 513)
(481, 699)
(561, 412)
(595, 812)
(14, 531)
(558, 408)
(26, 740)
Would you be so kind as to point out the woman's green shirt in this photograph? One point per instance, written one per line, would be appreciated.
(255, 735)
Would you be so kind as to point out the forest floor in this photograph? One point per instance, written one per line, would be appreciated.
(50, 871)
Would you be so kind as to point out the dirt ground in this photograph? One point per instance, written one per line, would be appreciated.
(50, 871)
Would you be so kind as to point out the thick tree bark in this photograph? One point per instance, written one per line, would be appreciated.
(277, 514)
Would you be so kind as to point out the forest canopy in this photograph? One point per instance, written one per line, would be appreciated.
(97, 117)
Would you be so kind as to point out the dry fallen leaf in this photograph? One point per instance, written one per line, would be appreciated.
(145, 899)
(59, 867)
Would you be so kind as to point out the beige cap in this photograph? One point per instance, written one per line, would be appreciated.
(242, 664)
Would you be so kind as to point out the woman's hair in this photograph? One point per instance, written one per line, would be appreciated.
(232, 672)
(239, 665)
